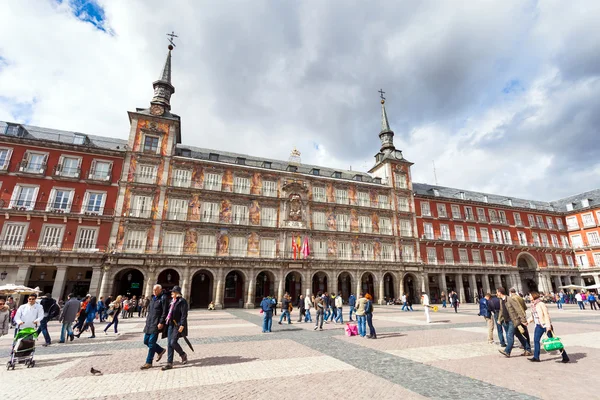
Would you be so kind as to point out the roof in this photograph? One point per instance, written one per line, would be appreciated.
(593, 197)
(232, 158)
(63, 137)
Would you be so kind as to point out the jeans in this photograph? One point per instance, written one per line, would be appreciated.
(362, 325)
(593, 305)
(267, 321)
(443, 303)
(559, 304)
(114, 322)
(153, 347)
(319, 317)
(172, 344)
(340, 317)
(326, 313)
(537, 336)
(581, 306)
(352, 310)
(404, 307)
(285, 313)
(66, 328)
(511, 332)
(499, 328)
(44, 330)
(307, 317)
(370, 323)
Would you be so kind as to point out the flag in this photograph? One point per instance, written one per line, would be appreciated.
(298, 245)
(294, 248)
(305, 248)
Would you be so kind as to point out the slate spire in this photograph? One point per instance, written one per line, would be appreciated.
(163, 89)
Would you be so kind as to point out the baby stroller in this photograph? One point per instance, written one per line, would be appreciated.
(23, 348)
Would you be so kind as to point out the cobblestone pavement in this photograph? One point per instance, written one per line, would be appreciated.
(447, 359)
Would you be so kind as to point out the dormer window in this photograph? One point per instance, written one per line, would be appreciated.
(13, 130)
(358, 178)
(436, 193)
(485, 198)
(315, 171)
(462, 195)
(267, 164)
(79, 139)
(150, 144)
(510, 202)
(570, 207)
(585, 203)
(337, 175)
(185, 152)
(377, 180)
(213, 157)
(531, 205)
(292, 168)
(241, 161)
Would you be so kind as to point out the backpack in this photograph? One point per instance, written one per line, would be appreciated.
(368, 307)
(54, 311)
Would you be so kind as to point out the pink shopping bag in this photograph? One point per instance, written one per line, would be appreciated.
(351, 330)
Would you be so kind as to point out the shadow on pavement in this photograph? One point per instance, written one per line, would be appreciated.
(212, 361)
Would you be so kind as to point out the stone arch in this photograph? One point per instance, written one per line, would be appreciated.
(168, 278)
(265, 281)
(389, 285)
(527, 266)
(412, 287)
(129, 281)
(368, 284)
(293, 284)
(235, 288)
(320, 282)
(345, 284)
(526, 261)
(201, 290)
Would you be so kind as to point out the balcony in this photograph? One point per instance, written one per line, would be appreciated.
(53, 207)
(144, 179)
(71, 248)
(66, 172)
(482, 218)
(181, 183)
(99, 176)
(27, 167)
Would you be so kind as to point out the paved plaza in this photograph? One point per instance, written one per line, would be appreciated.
(449, 358)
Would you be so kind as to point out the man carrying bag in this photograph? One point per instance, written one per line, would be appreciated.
(176, 327)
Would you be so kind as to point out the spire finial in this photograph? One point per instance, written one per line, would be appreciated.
(170, 39)
(163, 89)
(386, 135)
(385, 125)
(381, 93)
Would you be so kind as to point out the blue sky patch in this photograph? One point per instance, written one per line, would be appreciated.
(88, 11)
(512, 86)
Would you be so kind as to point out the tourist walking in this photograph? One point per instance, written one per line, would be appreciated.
(91, 310)
(4, 318)
(494, 303)
(369, 316)
(176, 322)
(320, 309)
(361, 318)
(51, 310)
(560, 299)
(339, 303)
(455, 301)
(267, 310)
(579, 299)
(155, 323)
(404, 303)
(285, 309)
(351, 305)
(443, 299)
(301, 308)
(425, 302)
(81, 316)
(541, 317)
(133, 306)
(592, 300)
(101, 309)
(113, 315)
(307, 306)
(29, 315)
(67, 317)
(485, 311)
(125, 309)
(512, 317)
(521, 301)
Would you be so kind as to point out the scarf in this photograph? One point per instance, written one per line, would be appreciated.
(534, 311)
(171, 307)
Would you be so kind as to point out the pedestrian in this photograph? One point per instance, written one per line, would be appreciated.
(67, 317)
(425, 302)
(494, 303)
(51, 310)
(267, 310)
(29, 315)
(101, 309)
(125, 308)
(307, 306)
(560, 300)
(339, 303)
(132, 306)
(320, 307)
(81, 315)
(455, 301)
(155, 323)
(4, 318)
(301, 308)
(351, 304)
(285, 309)
(369, 316)
(409, 304)
(541, 317)
(512, 317)
(91, 312)
(485, 311)
(361, 318)
(113, 315)
(443, 299)
(176, 322)
(404, 303)
(332, 308)
(592, 301)
(12, 310)
(579, 299)
(521, 301)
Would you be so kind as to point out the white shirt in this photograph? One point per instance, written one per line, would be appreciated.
(307, 303)
(29, 315)
(425, 300)
(404, 298)
(338, 302)
(578, 297)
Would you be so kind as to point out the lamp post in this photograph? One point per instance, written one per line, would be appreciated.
(3, 275)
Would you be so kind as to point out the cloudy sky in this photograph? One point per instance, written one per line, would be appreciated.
(504, 96)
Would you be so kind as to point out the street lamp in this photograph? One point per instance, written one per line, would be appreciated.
(3, 275)
(169, 277)
(42, 275)
(202, 277)
(129, 276)
(79, 276)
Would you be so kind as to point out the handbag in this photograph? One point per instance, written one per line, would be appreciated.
(552, 343)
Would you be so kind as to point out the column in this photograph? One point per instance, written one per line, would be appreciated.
(186, 284)
(95, 281)
(22, 275)
(151, 277)
(401, 285)
(104, 289)
(59, 282)
(358, 284)
(473, 284)
(281, 287)
(498, 282)
(512, 282)
(442, 283)
(519, 282)
(597, 279)
(568, 280)
(251, 289)
(486, 284)
(218, 289)
(381, 292)
(424, 283)
(557, 283)
(460, 288)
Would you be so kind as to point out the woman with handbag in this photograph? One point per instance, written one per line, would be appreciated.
(541, 318)
(91, 311)
(113, 314)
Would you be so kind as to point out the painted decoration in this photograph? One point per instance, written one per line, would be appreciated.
(355, 248)
(120, 236)
(197, 177)
(254, 212)
(131, 172)
(195, 208)
(190, 244)
(295, 208)
(374, 197)
(127, 199)
(331, 248)
(330, 193)
(377, 249)
(166, 208)
(227, 181)
(353, 221)
(352, 195)
(223, 243)
(150, 237)
(375, 222)
(155, 204)
(225, 212)
(253, 245)
(256, 184)
(331, 223)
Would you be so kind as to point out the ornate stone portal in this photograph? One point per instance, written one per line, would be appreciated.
(295, 212)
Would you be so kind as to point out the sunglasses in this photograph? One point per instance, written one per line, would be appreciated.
(31, 298)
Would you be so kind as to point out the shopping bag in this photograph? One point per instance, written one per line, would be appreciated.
(552, 344)
(351, 330)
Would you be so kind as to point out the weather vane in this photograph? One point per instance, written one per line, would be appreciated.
(381, 93)
(171, 36)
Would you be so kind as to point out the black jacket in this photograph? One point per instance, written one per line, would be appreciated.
(157, 313)
(494, 304)
(179, 316)
(285, 304)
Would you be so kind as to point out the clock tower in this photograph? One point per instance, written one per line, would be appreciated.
(163, 89)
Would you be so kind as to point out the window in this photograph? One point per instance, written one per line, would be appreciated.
(269, 188)
(441, 209)
(582, 260)
(151, 144)
(445, 232)
(570, 261)
(240, 215)
(460, 233)
(315, 171)
(337, 175)
(344, 250)
(341, 196)
(364, 224)
(241, 185)
(241, 161)
(343, 222)
(493, 216)
(408, 253)
(577, 241)
(182, 178)
(268, 216)
(401, 182)
(481, 215)
(146, 174)
(141, 206)
(385, 226)
(210, 212)
(469, 214)
(366, 251)
(34, 163)
(463, 256)
(207, 245)
(431, 255)
(212, 181)
(267, 248)
(506, 237)
(86, 239)
(559, 259)
(363, 199)
(135, 241)
(565, 241)
(497, 236)
(596, 259)
(68, 167)
(448, 256)
(5, 158)
(425, 211)
(536, 239)
(13, 235)
(100, 170)
(502, 217)
(555, 241)
(178, 209)
(320, 249)
(383, 201)
(406, 228)
(456, 212)
(23, 197)
(550, 222)
(572, 223)
(588, 220)
(93, 202)
(78, 139)
(549, 260)
(476, 254)
(500, 256)
(173, 243)
(545, 242)
(60, 200)
(403, 204)
(185, 152)
(518, 221)
(387, 252)
(522, 238)
(472, 233)
(489, 257)
(560, 224)
(319, 220)
(267, 164)
(428, 228)
(540, 221)
(531, 220)
(319, 194)
(593, 238)
(485, 236)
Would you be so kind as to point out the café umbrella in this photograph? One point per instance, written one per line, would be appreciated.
(11, 288)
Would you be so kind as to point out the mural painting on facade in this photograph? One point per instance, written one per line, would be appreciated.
(155, 204)
(190, 244)
(131, 172)
(377, 249)
(225, 212)
(256, 184)
(227, 184)
(355, 248)
(331, 224)
(127, 199)
(330, 193)
(254, 213)
(352, 194)
(353, 221)
(152, 127)
(223, 243)
(295, 208)
(149, 237)
(331, 248)
(253, 245)
(195, 208)
(166, 208)
(375, 222)
(373, 196)
(197, 177)
(120, 236)
(160, 170)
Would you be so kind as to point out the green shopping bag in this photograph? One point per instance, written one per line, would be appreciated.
(552, 344)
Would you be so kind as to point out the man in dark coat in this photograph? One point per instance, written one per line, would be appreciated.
(155, 323)
(51, 310)
(176, 322)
